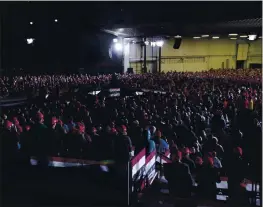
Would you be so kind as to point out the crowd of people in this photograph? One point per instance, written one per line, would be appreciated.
(208, 120)
(165, 81)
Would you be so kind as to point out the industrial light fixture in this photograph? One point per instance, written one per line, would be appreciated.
(56, 20)
(118, 47)
(146, 42)
(177, 36)
(30, 41)
(215, 37)
(31, 23)
(233, 38)
(159, 43)
(153, 44)
(196, 37)
(252, 37)
(243, 36)
(115, 40)
(233, 34)
(204, 35)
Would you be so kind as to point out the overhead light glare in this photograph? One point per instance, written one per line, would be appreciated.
(252, 37)
(177, 36)
(159, 43)
(153, 44)
(115, 40)
(260, 37)
(30, 41)
(31, 23)
(233, 38)
(146, 42)
(118, 47)
(204, 35)
(243, 36)
(233, 34)
(196, 37)
(216, 37)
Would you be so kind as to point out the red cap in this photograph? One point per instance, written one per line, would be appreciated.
(123, 128)
(239, 151)
(199, 160)
(8, 124)
(186, 150)
(113, 130)
(27, 127)
(179, 154)
(94, 130)
(81, 127)
(54, 120)
(210, 161)
(40, 115)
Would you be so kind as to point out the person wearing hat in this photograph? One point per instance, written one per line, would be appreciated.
(179, 177)
(187, 160)
(206, 179)
(237, 170)
(40, 140)
(122, 146)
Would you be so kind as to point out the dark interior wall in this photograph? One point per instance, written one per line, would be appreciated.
(58, 47)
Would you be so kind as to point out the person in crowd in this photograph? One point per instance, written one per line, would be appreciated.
(187, 160)
(237, 170)
(216, 161)
(161, 145)
(122, 146)
(179, 177)
(206, 179)
(208, 111)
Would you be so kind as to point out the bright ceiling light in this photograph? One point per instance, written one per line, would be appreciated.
(30, 41)
(260, 37)
(31, 23)
(233, 34)
(153, 44)
(252, 37)
(118, 47)
(56, 20)
(159, 43)
(216, 37)
(233, 38)
(204, 35)
(146, 42)
(196, 37)
(177, 36)
(243, 36)
(115, 40)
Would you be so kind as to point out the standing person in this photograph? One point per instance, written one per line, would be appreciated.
(123, 146)
(179, 177)
(236, 171)
(206, 178)
(40, 138)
